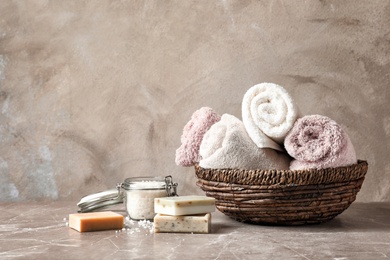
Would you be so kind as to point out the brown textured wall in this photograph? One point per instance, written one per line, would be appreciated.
(92, 92)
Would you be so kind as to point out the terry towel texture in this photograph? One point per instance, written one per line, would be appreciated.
(202, 119)
(227, 145)
(317, 141)
(268, 109)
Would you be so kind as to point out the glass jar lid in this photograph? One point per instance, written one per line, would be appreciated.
(100, 200)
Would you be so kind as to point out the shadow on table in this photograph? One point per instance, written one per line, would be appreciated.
(362, 217)
(359, 217)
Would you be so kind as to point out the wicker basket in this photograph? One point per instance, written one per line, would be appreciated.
(282, 197)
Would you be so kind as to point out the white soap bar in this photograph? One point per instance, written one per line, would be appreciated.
(182, 224)
(184, 205)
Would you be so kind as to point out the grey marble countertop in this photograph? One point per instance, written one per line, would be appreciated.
(38, 231)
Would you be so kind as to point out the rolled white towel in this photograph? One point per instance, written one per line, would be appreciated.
(227, 145)
(268, 109)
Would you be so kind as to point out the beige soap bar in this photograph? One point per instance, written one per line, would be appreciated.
(95, 221)
(182, 224)
(184, 205)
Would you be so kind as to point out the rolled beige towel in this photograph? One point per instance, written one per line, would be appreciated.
(227, 145)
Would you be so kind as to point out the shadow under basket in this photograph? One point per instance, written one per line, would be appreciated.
(282, 197)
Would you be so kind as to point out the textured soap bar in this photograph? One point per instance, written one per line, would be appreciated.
(184, 205)
(95, 221)
(182, 224)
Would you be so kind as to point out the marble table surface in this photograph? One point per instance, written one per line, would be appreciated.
(38, 230)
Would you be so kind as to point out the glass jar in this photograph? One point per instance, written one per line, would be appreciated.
(140, 193)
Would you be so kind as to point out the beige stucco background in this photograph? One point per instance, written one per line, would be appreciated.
(92, 92)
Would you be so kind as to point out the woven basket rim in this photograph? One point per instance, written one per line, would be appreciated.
(284, 177)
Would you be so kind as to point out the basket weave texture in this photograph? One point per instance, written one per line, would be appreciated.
(283, 197)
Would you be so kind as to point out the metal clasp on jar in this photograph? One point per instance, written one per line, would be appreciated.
(170, 186)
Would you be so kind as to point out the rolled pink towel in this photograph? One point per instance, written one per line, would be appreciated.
(188, 153)
(317, 141)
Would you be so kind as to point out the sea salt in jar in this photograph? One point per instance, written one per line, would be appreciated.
(140, 193)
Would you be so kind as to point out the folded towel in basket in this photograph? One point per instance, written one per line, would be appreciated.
(319, 142)
(227, 145)
(268, 109)
(202, 119)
